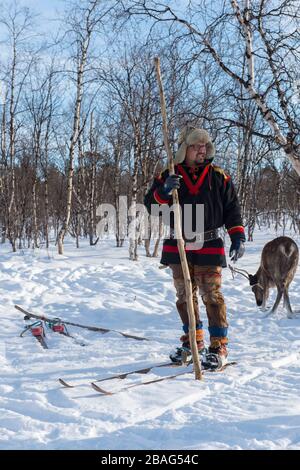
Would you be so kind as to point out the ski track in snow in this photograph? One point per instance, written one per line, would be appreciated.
(254, 405)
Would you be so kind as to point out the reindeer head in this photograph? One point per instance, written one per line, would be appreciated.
(257, 289)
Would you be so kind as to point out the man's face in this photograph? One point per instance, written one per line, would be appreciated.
(195, 154)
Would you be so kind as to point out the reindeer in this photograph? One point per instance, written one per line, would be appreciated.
(279, 261)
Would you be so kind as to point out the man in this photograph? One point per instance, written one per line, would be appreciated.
(199, 181)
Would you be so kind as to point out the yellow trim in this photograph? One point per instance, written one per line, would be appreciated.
(218, 169)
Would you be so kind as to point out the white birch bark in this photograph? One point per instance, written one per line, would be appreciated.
(74, 139)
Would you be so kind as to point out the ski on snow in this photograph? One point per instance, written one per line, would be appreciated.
(37, 330)
(123, 375)
(160, 379)
(55, 325)
(87, 327)
(145, 370)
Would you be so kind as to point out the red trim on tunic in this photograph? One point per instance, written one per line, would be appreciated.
(193, 188)
(226, 179)
(159, 179)
(236, 229)
(159, 199)
(201, 251)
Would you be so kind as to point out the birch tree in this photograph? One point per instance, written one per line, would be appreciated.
(83, 20)
(269, 32)
(132, 86)
(18, 26)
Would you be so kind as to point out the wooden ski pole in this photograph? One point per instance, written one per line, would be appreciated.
(178, 232)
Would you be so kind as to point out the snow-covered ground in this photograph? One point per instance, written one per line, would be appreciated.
(254, 405)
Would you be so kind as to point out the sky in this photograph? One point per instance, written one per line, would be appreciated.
(46, 7)
(48, 11)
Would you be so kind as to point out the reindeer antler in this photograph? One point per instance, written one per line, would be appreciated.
(240, 271)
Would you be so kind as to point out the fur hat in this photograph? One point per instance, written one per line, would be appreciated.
(190, 136)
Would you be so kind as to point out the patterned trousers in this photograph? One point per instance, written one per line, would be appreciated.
(207, 281)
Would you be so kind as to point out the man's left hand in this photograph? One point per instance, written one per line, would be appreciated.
(237, 250)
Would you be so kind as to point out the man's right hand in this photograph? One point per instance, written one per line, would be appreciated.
(172, 182)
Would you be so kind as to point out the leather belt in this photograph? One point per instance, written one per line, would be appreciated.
(210, 235)
(204, 236)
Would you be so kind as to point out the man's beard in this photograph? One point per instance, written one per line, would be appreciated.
(200, 159)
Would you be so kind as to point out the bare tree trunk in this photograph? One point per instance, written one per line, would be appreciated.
(133, 243)
(74, 139)
(92, 185)
(37, 135)
(46, 182)
(11, 212)
(92, 204)
(77, 229)
(46, 197)
(34, 215)
(147, 247)
(83, 25)
(117, 179)
(3, 168)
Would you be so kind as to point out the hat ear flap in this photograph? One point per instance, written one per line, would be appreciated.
(180, 154)
(210, 150)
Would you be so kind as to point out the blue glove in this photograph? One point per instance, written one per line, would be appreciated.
(172, 182)
(237, 249)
